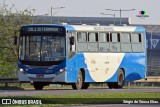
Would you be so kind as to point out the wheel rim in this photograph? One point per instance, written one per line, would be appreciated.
(79, 81)
(120, 80)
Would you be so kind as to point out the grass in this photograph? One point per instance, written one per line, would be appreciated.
(93, 98)
(105, 95)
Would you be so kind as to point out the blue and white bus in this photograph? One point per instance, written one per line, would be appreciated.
(81, 54)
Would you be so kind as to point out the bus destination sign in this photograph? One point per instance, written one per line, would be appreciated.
(41, 29)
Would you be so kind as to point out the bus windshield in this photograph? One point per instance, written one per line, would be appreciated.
(42, 48)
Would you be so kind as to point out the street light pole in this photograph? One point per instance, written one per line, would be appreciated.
(45, 15)
(120, 10)
(111, 15)
(55, 12)
(33, 15)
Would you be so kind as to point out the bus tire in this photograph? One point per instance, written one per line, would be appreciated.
(78, 85)
(38, 86)
(111, 85)
(85, 85)
(120, 79)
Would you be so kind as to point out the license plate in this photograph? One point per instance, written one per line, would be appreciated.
(40, 76)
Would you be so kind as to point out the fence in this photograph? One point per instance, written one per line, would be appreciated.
(8, 80)
(153, 54)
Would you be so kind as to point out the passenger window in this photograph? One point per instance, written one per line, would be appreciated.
(136, 38)
(93, 37)
(125, 37)
(104, 44)
(140, 38)
(82, 42)
(81, 37)
(103, 37)
(93, 42)
(126, 42)
(115, 37)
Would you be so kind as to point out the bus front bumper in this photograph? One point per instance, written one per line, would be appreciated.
(22, 77)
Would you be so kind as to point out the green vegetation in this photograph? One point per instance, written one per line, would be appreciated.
(105, 95)
(9, 24)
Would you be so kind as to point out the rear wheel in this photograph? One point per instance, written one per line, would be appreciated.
(78, 85)
(111, 85)
(38, 86)
(120, 81)
(85, 85)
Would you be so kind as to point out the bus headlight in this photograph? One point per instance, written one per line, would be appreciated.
(21, 70)
(62, 70)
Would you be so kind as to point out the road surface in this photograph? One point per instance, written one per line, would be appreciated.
(70, 91)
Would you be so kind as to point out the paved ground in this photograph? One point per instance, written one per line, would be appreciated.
(70, 91)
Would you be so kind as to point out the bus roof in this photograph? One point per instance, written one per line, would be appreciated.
(95, 28)
(105, 28)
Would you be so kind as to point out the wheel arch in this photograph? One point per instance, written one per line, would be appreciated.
(122, 70)
(83, 73)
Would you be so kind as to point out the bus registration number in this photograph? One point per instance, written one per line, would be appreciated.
(40, 76)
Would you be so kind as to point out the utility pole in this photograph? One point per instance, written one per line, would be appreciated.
(55, 12)
(111, 15)
(120, 10)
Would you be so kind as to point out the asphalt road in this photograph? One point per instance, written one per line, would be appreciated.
(70, 91)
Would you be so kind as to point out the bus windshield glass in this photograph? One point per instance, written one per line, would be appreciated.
(42, 48)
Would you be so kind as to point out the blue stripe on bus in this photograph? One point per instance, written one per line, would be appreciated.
(140, 29)
(131, 63)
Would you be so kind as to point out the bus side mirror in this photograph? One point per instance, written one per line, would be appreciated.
(71, 40)
(15, 40)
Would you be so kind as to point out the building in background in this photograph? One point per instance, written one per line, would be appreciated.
(80, 20)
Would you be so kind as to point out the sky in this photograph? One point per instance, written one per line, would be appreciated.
(93, 8)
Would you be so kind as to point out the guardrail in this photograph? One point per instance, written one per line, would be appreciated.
(7, 80)
(149, 79)
(15, 80)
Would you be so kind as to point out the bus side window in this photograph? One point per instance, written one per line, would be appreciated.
(93, 37)
(72, 36)
(81, 37)
(115, 37)
(115, 42)
(93, 42)
(140, 37)
(136, 39)
(71, 46)
(126, 42)
(104, 42)
(82, 41)
(108, 37)
(118, 37)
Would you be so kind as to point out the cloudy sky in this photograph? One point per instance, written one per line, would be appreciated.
(93, 8)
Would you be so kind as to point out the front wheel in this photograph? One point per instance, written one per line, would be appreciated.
(78, 85)
(38, 86)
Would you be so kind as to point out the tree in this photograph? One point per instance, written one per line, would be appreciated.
(10, 24)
